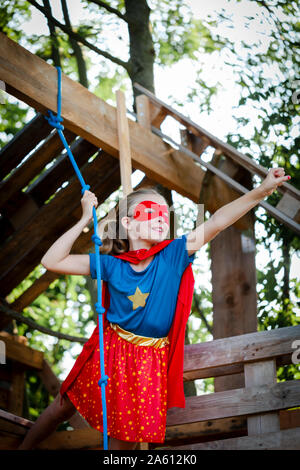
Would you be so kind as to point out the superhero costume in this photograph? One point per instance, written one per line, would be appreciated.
(176, 333)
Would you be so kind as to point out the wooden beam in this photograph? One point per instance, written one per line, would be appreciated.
(281, 440)
(34, 81)
(22, 175)
(238, 349)
(124, 143)
(206, 430)
(143, 111)
(61, 171)
(56, 214)
(25, 355)
(239, 402)
(17, 420)
(22, 143)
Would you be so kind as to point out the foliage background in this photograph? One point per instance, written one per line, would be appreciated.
(264, 67)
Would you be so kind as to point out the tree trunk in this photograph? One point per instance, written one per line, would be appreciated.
(53, 37)
(142, 52)
(81, 66)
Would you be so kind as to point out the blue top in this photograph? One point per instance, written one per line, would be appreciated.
(144, 302)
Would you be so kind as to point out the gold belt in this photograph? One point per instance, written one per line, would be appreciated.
(140, 340)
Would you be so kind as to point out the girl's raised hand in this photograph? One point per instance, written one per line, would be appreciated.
(275, 177)
(88, 200)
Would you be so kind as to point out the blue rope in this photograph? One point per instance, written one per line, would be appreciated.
(55, 121)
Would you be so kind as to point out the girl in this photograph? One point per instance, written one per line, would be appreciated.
(147, 290)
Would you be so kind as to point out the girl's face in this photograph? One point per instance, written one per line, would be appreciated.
(149, 219)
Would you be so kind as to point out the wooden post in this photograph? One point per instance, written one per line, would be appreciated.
(124, 143)
(143, 111)
(16, 395)
(233, 281)
(257, 374)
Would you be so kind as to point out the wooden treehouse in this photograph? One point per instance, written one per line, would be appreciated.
(249, 409)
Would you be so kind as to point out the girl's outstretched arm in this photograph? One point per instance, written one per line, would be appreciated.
(230, 213)
(58, 258)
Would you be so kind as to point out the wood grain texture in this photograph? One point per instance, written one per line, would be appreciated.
(239, 402)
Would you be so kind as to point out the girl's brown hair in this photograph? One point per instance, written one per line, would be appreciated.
(114, 238)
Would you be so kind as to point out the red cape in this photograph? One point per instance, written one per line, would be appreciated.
(176, 334)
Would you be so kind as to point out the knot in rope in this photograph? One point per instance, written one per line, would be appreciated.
(99, 308)
(103, 380)
(55, 121)
(96, 240)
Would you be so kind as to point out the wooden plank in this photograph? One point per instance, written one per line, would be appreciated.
(226, 149)
(22, 211)
(23, 142)
(12, 428)
(289, 419)
(17, 420)
(240, 402)
(22, 175)
(77, 439)
(249, 347)
(102, 188)
(143, 111)
(55, 214)
(262, 373)
(37, 288)
(282, 440)
(33, 80)
(157, 115)
(194, 142)
(25, 355)
(124, 143)
(206, 430)
(61, 171)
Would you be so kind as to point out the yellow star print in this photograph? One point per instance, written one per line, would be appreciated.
(138, 299)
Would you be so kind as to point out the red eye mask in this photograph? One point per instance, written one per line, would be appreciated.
(147, 210)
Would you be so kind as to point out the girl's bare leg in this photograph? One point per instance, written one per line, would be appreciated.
(48, 421)
(116, 444)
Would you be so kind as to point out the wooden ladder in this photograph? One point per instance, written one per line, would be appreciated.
(153, 110)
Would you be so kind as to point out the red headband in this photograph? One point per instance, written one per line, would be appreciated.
(147, 210)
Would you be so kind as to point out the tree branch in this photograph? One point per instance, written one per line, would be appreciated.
(34, 326)
(109, 8)
(79, 38)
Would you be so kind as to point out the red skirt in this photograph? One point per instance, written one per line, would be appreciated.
(136, 392)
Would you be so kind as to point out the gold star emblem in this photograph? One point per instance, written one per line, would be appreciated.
(138, 299)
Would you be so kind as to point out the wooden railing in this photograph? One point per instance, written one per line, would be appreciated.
(260, 402)
(257, 416)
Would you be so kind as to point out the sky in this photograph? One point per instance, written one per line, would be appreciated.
(175, 80)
